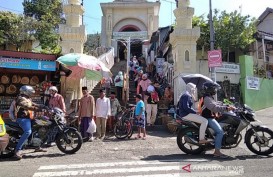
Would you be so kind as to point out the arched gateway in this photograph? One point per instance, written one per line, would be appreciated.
(124, 19)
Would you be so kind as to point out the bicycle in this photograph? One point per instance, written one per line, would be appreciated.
(123, 127)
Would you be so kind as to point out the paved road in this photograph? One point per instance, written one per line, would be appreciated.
(157, 156)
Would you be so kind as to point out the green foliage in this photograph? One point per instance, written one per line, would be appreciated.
(15, 29)
(93, 41)
(232, 31)
(49, 15)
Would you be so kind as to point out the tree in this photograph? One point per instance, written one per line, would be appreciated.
(93, 41)
(49, 15)
(15, 29)
(232, 31)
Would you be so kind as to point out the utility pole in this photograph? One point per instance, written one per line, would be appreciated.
(213, 73)
(127, 71)
(82, 14)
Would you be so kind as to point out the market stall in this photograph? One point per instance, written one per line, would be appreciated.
(37, 70)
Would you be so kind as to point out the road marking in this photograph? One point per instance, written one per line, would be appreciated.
(111, 164)
(135, 169)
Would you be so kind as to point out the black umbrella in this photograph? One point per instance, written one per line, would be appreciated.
(197, 79)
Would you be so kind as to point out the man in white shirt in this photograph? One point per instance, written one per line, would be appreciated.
(103, 110)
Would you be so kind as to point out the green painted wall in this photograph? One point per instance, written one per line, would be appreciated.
(256, 99)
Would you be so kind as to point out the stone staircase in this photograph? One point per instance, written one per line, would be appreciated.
(118, 66)
(132, 93)
(121, 66)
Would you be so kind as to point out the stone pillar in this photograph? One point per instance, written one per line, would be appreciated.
(73, 35)
(183, 40)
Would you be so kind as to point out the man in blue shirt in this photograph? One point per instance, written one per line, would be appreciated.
(140, 116)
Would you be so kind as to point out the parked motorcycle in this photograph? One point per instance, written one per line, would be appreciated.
(67, 139)
(257, 137)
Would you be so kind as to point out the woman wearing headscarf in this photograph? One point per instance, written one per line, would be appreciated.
(187, 112)
(119, 85)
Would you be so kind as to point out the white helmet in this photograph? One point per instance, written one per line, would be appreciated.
(53, 88)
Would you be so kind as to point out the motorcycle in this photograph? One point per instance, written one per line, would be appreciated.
(53, 128)
(257, 137)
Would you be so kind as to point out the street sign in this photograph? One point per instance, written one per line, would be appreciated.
(215, 58)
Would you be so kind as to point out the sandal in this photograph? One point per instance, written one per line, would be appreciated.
(40, 150)
(221, 156)
(137, 137)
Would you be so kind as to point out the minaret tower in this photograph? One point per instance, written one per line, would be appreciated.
(73, 33)
(183, 40)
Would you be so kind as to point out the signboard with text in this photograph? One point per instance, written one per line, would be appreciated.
(228, 68)
(15, 63)
(214, 58)
(253, 83)
(133, 35)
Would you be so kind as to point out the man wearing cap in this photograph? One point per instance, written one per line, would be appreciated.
(115, 108)
(86, 112)
(140, 116)
(103, 111)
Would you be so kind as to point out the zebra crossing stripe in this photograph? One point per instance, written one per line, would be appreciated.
(131, 169)
(113, 164)
(108, 171)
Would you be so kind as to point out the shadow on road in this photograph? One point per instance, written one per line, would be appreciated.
(178, 157)
(29, 156)
(246, 157)
(199, 158)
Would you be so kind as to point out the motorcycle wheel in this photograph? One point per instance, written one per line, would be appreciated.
(185, 146)
(74, 142)
(256, 146)
(123, 130)
(10, 148)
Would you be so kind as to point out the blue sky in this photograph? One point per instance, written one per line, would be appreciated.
(93, 13)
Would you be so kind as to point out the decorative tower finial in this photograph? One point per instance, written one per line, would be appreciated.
(183, 3)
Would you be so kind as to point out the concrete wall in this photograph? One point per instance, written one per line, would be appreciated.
(257, 99)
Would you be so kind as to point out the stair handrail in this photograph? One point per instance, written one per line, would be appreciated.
(108, 59)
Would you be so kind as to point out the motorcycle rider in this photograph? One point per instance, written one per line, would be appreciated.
(23, 112)
(187, 112)
(210, 109)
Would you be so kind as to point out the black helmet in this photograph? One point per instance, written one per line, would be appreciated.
(210, 88)
(27, 90)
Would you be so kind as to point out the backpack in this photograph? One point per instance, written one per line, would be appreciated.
(201, 108)
(154, 96)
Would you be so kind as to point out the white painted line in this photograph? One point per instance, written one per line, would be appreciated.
(130, 169)
(192, 174)
(112, 164)
(107, 171)
(158, 175)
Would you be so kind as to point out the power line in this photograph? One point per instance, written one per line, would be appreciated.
(94, 18)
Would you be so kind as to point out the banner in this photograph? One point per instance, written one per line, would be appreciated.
(14, 63)
(253, 83)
